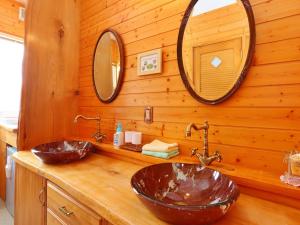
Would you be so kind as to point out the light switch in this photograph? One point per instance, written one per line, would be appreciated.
(22, 14)
(148, 114)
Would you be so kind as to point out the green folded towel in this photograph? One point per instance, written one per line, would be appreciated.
(164, 155)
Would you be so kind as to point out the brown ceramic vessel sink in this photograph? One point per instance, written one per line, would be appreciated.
(185, 194)
(62, 151)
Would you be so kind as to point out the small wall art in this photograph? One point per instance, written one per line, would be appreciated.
(149, 62)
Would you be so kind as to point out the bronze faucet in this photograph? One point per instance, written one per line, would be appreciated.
(204, 158)
(98, 135)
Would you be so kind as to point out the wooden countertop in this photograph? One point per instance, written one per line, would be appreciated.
(9, 127)
(9, 124)
(8, 132)
(263, 183)
(103, 184)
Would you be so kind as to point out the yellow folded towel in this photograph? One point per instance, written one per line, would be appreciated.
(159, 146)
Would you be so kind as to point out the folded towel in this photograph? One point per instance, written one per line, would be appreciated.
(164, 155)
(159, 146)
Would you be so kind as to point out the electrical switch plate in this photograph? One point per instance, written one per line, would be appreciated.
(22, 14)
(148, 114)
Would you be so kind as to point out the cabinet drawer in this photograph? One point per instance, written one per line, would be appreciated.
(52, 219)
(67, 209)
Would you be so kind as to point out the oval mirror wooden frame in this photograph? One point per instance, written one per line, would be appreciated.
(122, 64)
(245, 70)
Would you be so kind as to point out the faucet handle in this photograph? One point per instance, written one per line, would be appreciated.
(99, 136)
(194, 151)
(95, 135)
(219, 156)
(102, 137)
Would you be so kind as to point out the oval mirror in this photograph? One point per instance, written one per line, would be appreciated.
(108, 66)
(215, 48)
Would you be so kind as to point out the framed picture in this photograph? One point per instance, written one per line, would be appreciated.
(149, 62)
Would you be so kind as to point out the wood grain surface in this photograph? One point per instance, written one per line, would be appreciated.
(9, 19)
(29, 194)
(50, 72)
(254, 129)
(103, 184)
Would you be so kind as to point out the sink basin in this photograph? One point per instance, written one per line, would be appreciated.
(185, 194)
(62, 151)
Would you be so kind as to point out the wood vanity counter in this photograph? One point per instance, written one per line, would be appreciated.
(102, 184)
(8, 134)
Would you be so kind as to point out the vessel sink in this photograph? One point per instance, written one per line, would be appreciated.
(185, 194)
(62, 151)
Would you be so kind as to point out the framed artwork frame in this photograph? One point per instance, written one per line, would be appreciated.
(149, 62)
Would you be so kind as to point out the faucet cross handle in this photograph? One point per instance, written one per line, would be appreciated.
(99, 136)
(194, 151)
(219, 156)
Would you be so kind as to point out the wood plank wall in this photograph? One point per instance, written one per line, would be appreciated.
(9, 18)
(50, 72)
(255, 128)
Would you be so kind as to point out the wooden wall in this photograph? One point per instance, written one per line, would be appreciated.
(50, 72)
(9, 18)
(255, 128)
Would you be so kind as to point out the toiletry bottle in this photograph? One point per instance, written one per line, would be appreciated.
(119, 136)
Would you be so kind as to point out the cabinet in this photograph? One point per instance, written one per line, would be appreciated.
(52, 219)
(2, 170)
(30, 197)
(7, 137)
(41, 202)
(61, 207)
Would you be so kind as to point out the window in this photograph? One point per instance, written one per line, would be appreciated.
(115, 74)
(202, 7)
(11, 58)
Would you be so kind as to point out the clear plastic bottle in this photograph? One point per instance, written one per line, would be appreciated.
(119, 136)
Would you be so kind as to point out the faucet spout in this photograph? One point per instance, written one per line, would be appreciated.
(188, 131)
(205, 159)
(85, 118)
(98, 135)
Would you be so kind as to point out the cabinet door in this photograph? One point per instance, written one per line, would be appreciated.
(2, 170)
(30, 197)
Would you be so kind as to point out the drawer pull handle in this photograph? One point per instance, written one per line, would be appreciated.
(41, 197)
(65, 211)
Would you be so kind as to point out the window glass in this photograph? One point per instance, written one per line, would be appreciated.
(11, 58)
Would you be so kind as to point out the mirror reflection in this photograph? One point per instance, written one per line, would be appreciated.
(215, 47)
(108, 65)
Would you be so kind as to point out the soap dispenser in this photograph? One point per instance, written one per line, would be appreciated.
(119, 136)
